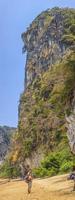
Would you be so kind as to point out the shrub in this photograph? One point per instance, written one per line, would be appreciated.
(39, 172)
(66, 166)
(55, 163)
(9, 170)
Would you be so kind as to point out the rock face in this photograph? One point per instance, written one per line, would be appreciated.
(5, 135)
(44, 43)
(71, 126)
(71, 131)
(48, 94)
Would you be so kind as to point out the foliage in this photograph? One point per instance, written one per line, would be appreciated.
(43, 108)
(9, 170)
(55, 163)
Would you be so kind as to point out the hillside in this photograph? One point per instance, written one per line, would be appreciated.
(47, 105)
(5, 137)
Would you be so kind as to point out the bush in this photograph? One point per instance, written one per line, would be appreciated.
(51, 172)
(51, 161)
(9, 170)
(66, 166)
(39, 172)
(55, 163)
(43, 172)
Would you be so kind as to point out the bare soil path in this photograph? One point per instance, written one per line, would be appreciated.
(55, 188)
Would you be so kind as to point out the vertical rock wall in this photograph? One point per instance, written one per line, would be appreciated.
(43, 43)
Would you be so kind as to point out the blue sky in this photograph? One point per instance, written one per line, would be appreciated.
(15, 16)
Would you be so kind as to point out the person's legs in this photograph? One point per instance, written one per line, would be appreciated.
(29, 186)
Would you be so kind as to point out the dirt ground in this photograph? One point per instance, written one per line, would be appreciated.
(54, 188)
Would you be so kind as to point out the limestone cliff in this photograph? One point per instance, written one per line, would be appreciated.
(48, 98)
(46, 41)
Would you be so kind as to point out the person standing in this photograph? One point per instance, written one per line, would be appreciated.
(28, 179)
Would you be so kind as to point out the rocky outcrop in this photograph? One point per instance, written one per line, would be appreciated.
(71, 131)
(49, 43)
(71, 126)
(5, 137)
(44, 43)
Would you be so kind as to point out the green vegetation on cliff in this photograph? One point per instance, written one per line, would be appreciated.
(44, 106)
(58, 162)
(42, 123)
